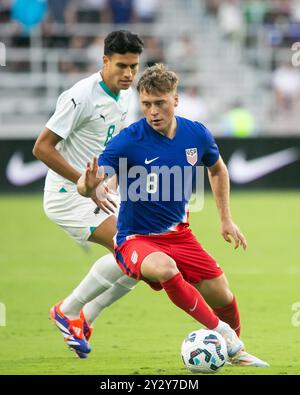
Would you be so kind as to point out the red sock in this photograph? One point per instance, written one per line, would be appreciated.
(185, 296)
(231, 315)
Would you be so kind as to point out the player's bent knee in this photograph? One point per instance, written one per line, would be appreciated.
(167, 271)
(159, 267)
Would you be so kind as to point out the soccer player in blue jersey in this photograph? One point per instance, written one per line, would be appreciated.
(154, 242)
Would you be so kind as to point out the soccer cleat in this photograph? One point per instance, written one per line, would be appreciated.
(233, 342)
(87, 329)
(87, 332)
(72, 331)
(245, 359)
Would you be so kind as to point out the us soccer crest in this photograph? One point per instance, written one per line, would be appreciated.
(191, 156)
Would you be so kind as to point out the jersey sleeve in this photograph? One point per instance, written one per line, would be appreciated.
(211, 153)
(70, 113)
(114, 151)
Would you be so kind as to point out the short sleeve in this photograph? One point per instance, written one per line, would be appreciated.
(111, 158)
(70, 113)
(211, 153)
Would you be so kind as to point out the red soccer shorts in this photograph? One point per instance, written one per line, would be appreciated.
(194, 263)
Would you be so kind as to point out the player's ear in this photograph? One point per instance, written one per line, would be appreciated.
(105, 59)
(176, 100)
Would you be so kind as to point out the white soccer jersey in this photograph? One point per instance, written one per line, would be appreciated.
(87, 116)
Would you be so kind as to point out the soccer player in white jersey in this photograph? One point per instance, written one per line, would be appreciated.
(87, 116)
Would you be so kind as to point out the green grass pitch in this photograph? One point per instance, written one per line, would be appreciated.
(142, 333)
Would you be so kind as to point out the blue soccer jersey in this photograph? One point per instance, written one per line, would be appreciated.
(156, 174)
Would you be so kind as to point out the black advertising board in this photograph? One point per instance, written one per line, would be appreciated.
(253, 163)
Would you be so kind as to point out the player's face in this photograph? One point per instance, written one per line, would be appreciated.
(120, 70)
(159, 109)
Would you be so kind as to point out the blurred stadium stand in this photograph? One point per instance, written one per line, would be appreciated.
(227, 50)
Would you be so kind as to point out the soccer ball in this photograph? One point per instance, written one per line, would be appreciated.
(204, 351)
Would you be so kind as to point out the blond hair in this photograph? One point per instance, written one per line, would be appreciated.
(158, 78)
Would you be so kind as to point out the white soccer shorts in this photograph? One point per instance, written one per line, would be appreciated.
(75, 213)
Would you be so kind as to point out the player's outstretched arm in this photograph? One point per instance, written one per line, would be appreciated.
(90, 179)
(92, 184)
(220, 185)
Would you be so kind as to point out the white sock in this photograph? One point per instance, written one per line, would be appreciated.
(92, 309)
(221, 326)
(103, 274)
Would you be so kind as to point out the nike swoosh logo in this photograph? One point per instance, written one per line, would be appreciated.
(194, 308)
(150, 161)
(242, 171)
(19, 173)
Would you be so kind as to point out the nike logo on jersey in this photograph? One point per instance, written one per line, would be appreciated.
(19, 173)
(194, 308)
(103, 117)
(242, 171)
(150, 160)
